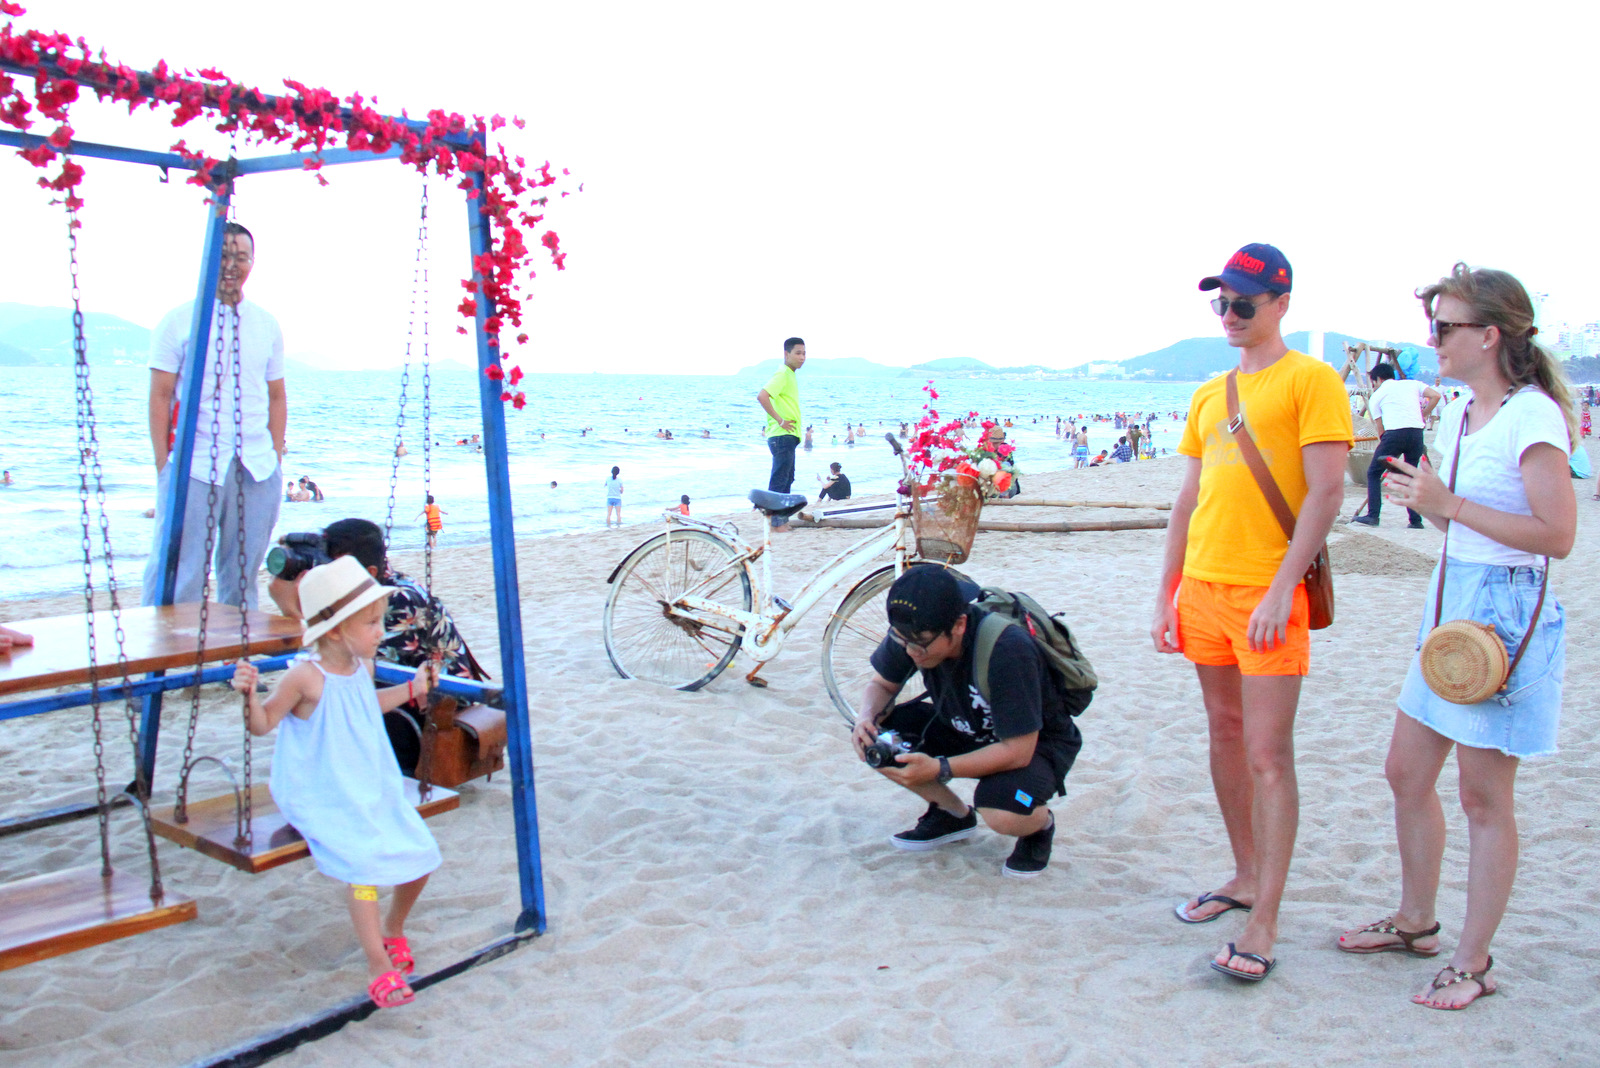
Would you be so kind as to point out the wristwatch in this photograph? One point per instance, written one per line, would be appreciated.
(945, 774)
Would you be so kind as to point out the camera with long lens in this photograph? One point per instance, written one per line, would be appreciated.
(295, 554)
(882, 752)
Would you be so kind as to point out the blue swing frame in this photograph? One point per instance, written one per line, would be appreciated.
(532, 919)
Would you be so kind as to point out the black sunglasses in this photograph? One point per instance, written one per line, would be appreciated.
(1439, 327)
(1243, 307)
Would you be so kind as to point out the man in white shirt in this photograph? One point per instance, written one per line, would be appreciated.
(1400, 408)
(252, 464)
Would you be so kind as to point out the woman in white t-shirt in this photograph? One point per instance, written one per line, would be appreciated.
(1511, 511)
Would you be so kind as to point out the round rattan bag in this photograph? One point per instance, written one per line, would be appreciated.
(1464, 661)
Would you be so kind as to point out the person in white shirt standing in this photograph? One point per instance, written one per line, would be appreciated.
(263, 409)
(1400, 408)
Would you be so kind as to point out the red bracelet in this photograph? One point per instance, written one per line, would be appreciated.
(408, 686)
(1457, 512)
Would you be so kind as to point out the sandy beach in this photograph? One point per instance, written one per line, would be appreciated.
(721, 889)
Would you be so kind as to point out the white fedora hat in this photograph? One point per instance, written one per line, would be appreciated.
(332, 593)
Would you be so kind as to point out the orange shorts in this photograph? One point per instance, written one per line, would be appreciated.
(1213, 621)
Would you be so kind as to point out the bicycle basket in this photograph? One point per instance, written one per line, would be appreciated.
(945, 521)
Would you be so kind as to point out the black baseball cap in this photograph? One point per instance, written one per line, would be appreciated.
(927, 598)
(1254, 269)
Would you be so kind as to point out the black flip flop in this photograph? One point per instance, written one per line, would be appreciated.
(1203, 898)
(1249, 977)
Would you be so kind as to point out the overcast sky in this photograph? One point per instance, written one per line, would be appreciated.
(1021, 183)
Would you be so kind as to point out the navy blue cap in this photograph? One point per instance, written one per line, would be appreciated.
(926, 598)
(1254, 269)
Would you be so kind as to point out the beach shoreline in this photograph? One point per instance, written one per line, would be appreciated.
(721, 889)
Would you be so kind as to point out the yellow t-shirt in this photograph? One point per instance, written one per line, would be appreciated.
(1233, 536)
(784, 391)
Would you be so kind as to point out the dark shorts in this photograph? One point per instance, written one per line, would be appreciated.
(1021, 790)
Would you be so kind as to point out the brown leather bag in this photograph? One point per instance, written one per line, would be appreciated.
(1319, 576)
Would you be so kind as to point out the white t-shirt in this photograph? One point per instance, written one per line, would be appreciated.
(1398, 403)
(1491, 467)
(614, 488)
(261, 361)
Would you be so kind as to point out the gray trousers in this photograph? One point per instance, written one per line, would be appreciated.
(262, 500)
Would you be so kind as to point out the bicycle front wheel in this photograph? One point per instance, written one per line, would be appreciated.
(646, 638)
(854, 632)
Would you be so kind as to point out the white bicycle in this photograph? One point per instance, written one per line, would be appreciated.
(683, 603)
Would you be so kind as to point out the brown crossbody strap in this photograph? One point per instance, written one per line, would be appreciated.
(1444, 553)
(1254, 461)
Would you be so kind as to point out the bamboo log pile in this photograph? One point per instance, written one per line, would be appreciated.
(1018, 502)
(1043, 526)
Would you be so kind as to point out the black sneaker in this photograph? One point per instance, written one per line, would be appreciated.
(1032, 853)
(1365, 520)
(936, 828)
(1414, 526)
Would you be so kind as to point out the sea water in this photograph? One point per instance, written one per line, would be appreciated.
(574, 429)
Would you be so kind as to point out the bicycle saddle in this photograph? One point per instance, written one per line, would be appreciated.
(777, 505)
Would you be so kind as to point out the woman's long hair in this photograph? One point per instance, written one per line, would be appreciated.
(1498, 299)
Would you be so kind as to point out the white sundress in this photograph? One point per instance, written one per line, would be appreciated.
(335, 778)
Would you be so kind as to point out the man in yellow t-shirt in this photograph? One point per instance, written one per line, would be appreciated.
(1231, 597)
(780, 399)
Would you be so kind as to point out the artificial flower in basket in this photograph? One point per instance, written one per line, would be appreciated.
(948, 480)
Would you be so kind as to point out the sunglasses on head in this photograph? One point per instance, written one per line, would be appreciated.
(1439, 327)
(1243, 307)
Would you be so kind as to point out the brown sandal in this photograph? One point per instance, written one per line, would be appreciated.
(1459, 976)
(1405, 945)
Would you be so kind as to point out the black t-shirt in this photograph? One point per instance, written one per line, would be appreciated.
(1023, 698)
(837, 488)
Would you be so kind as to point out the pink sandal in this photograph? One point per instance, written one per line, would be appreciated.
(399, 951)
(389, 991)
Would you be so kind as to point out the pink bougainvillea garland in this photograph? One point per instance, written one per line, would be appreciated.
(511, 195)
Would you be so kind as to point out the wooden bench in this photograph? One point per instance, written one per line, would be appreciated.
(160, 638)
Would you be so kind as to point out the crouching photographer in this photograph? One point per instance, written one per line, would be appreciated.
(415, 625)
(1018, 743)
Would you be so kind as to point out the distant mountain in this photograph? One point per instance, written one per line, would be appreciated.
(43, 336)
(946, 368)
(1196, 359)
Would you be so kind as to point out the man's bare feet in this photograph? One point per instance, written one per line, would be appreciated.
(1209, 906)
(1397, 934)
(1456, 988)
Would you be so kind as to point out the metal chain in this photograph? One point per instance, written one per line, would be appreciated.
(80, 351)
(180, 811)
(417, 269)
(427, 408)
(245, 576)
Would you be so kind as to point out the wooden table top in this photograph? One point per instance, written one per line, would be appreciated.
(159, 638)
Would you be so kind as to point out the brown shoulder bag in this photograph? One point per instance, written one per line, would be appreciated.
(1319, 576)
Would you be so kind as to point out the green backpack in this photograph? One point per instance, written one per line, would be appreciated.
(1074, 676)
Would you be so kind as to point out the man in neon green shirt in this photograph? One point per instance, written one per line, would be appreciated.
(780, 398)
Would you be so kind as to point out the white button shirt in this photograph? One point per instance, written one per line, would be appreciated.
(261, 361)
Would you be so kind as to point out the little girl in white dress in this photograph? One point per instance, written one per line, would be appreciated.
(334, 775)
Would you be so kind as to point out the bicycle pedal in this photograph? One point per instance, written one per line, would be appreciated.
(781, 603)
(758, 682)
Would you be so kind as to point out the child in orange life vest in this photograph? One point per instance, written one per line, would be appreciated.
(435, 523)
(683, 504)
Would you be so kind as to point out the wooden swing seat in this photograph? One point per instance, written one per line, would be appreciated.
(211, 825)
(159, 638)
(61, 912)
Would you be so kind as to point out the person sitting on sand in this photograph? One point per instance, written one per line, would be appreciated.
(1019, 744)
(837, 487)
(1122, 453)
(332, 775)
(1098, 460)
(414, 626)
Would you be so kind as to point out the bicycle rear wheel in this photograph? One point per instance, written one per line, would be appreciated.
(645, 638)
(855, 630)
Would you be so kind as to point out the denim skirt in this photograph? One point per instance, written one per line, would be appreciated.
(1522, 719)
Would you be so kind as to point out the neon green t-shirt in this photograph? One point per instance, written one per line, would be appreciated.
(783, 390)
